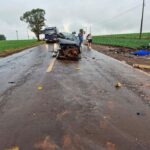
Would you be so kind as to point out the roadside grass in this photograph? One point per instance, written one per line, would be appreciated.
(124, 40)
(14, 46)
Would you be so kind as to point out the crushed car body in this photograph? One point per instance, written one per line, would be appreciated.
(69, 46)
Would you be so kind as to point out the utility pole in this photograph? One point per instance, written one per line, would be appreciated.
(141, 28)
(17, 34)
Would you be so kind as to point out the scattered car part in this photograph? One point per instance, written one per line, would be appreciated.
(118, 85)
(141, 66)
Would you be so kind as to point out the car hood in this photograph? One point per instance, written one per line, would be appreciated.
(68, 42)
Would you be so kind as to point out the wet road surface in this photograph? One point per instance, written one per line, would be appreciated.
(48, 104)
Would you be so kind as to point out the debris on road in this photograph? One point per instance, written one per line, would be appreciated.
(140, 114)
(13, 148)
(118, 85)
(40, 88)
(11, 82)
(34, 114)
(141, 66)
(54, 54)
(77, 68)
(124, 62)
(47, 144)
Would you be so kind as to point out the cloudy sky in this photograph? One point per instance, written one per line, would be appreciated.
(102, 16)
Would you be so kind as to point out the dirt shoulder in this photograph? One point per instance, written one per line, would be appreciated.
(124, 54)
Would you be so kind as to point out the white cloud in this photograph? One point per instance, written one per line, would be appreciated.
(72, 15)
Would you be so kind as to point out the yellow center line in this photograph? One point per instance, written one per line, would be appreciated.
(51, 65)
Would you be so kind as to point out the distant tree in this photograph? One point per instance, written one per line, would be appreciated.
(2, 37)
(36, 20)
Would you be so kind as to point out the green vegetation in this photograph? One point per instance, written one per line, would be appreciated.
(124, 40)
(9, 47)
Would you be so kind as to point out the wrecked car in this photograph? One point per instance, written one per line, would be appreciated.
(69, 46)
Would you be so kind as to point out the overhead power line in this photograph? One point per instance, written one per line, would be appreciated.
(121, 14)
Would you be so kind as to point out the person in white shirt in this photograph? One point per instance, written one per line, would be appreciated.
(89, 40)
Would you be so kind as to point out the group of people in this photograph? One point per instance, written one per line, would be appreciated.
(88, 38)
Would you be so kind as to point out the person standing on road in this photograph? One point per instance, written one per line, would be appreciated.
(89, 40)
(80, 35)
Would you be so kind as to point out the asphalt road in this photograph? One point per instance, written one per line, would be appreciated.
(48, 104)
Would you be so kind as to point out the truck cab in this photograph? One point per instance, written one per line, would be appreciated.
(51, 34)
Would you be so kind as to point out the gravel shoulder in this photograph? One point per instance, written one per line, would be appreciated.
(124, 55)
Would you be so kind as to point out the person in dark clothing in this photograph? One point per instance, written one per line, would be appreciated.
(89, 40)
